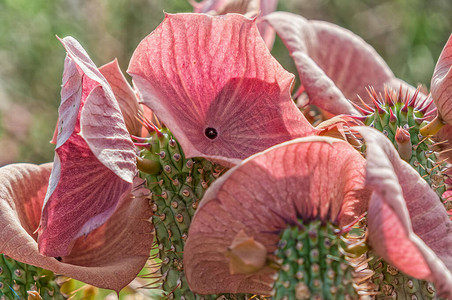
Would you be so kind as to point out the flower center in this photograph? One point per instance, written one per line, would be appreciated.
(211, 133)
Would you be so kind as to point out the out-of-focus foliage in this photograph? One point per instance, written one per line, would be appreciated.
(409, 34)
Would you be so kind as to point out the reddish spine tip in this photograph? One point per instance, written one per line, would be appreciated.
(392, 116)
(420, 120)
(431, 113)
(388, 100)
(400, 97)
(380, 109)
(405, 107)
(365, 105)
(413, 99)
(360, 118)
(143, 145)
(362, 110)
(139, 139)
(426, 107)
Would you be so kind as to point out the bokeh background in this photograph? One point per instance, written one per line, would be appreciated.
(408, 34)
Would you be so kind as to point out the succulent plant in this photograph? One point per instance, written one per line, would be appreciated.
(18, 280)
(400, 116)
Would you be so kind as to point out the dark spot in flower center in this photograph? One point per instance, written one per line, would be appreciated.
(58, 258)
(211, 133)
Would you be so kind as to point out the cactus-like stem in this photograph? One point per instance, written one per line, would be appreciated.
(313, 264)
(21, 281)
(393, 284)
(397, 114)
(177, 185)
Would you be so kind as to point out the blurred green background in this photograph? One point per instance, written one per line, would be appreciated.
(409, 34)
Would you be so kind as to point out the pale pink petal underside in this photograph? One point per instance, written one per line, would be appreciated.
(128, 102)
(266, 31)
(94, 161)
(250, 8)
(444, 143)
(121, 246)
(442, 83)
(222, 7)
(408, 225)
(117, 147)
(346, 59)
(287, 183)
(198, 72)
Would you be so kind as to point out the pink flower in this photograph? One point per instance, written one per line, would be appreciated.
(109, 257)
(309, 178)
(223, 96)
(94, 157)
(319, 178)
(94, 215)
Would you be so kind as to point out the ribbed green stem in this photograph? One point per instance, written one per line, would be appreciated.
(396, 285)
(175, 194)
(17, 278)
(312, 264)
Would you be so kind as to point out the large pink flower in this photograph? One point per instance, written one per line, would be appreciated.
(90, 209)
(215, 85)
(309, 178)
(109, 257)
(94, 157)
(320, 178)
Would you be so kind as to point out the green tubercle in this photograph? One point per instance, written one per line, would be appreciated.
(177, 185)
(313, 264)
(394, 113)
(393, 284)
(17, 279)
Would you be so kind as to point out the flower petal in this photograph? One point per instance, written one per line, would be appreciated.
(261, 196)
(266, 31)
(348, 61)
(249, 8)
(441, 84)
(213, 82)
(222, 7)
(408, 225)
(94, 157)
(443, 145)
(124, 95)
(121, 246)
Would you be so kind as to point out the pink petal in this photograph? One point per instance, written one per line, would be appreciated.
(266, 31)
(340, 60)
(94, 160)
(222, 7)
(198, 72)
(124, 94)
(121, 246)
(408, 225)
(250, 8)
(441, 84)
(288, 183)
(444, 146)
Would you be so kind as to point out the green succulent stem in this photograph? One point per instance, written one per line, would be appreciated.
(312, 264)
(177, 185)
(17, 279)
(394, 284)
